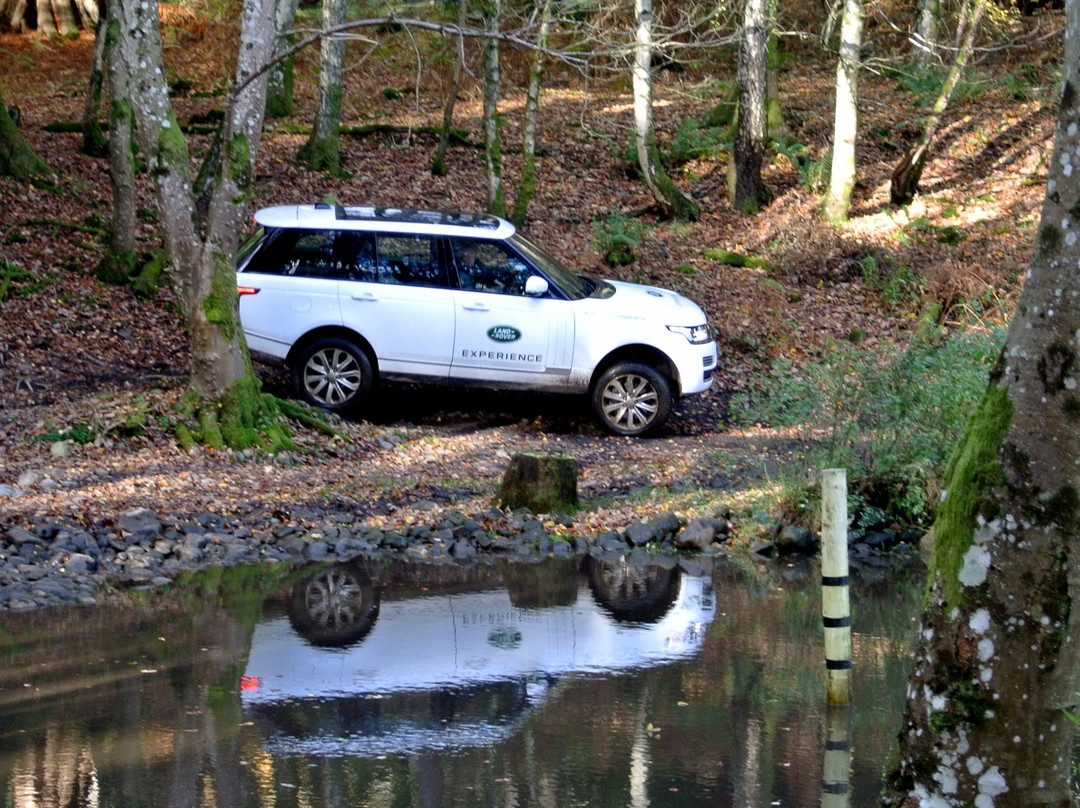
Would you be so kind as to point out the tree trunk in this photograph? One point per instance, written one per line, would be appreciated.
(438, 162)
(496, 198)
(999, 649)
(925, 41)
(222, 381)
(322, 152)
(279, 82)
(908, 172)
(750, 192)
(94, 140)
(845, 126)
(527, 188)
(121, 155)
(660, 185)
(17, 159)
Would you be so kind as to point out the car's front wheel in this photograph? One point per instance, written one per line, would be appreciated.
(333, 373)
(631, 398)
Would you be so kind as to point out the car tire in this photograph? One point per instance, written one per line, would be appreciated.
(631, 398)
(334, 374)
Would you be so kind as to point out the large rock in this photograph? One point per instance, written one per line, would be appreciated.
(542, 483)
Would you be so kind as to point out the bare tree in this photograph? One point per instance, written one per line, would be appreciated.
(908, 172)
(496, 197)
(322, 152)
(527, 187)
(999, 650)
(656, 179)
(438, 162)
(750, 192)
(846, 114)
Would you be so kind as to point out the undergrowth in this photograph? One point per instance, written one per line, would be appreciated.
(891, 419)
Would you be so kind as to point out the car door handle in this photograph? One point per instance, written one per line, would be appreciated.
(475, 307)
(367, 297)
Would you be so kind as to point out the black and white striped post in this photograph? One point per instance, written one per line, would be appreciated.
(835, 602)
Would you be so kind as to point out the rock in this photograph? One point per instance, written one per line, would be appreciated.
(28, 479)
(640, 533)
(795, 539)
(541, 483)
(11, 493)
(139, 524)
(698, 535)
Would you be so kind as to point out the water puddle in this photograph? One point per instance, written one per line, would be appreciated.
(563, 683)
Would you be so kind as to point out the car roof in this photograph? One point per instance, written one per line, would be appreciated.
(387, 220)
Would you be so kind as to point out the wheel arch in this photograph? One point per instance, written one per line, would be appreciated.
(645, 354)
(333, 332)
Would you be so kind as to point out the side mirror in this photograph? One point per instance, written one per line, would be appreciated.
(536, 286)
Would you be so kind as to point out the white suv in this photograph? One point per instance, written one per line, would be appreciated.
(347, 296)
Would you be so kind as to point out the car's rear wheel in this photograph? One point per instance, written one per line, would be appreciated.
(333, 373)
(631, 398)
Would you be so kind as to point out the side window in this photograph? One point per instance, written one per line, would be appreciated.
(361, 265)
(304, 253)
(409, 260)
(487, 266)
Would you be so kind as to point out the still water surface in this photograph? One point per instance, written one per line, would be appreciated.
(555, 684)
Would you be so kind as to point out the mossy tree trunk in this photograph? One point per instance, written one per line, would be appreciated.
(908, 172)
(224, 397)
(496, 195)
(999, 650)
(94, 141)
(438, 162)
(322, 152)
(279, 82)
(118, 264)
(17, 159)
(527, 187)
(749, 190)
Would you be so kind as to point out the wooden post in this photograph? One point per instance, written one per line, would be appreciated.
(835, 605)
(836, 777)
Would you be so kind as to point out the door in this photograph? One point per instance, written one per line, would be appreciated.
(397, 296)
(502, 335)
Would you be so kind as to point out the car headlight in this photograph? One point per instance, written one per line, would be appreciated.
(695, 334)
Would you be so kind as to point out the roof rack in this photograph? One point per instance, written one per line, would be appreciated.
(414, 216)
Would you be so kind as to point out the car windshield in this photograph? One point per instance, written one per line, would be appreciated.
(574, 285)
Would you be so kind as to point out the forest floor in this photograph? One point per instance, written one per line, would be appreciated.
(84, 360)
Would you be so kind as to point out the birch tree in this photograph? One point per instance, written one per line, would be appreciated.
(657, 181)
(846, 114)
(223, 395)
(999, 649)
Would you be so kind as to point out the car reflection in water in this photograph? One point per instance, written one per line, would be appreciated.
(349, 672)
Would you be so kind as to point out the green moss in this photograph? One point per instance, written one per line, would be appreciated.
(974, 472)
(172, 147)
(220, 306)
